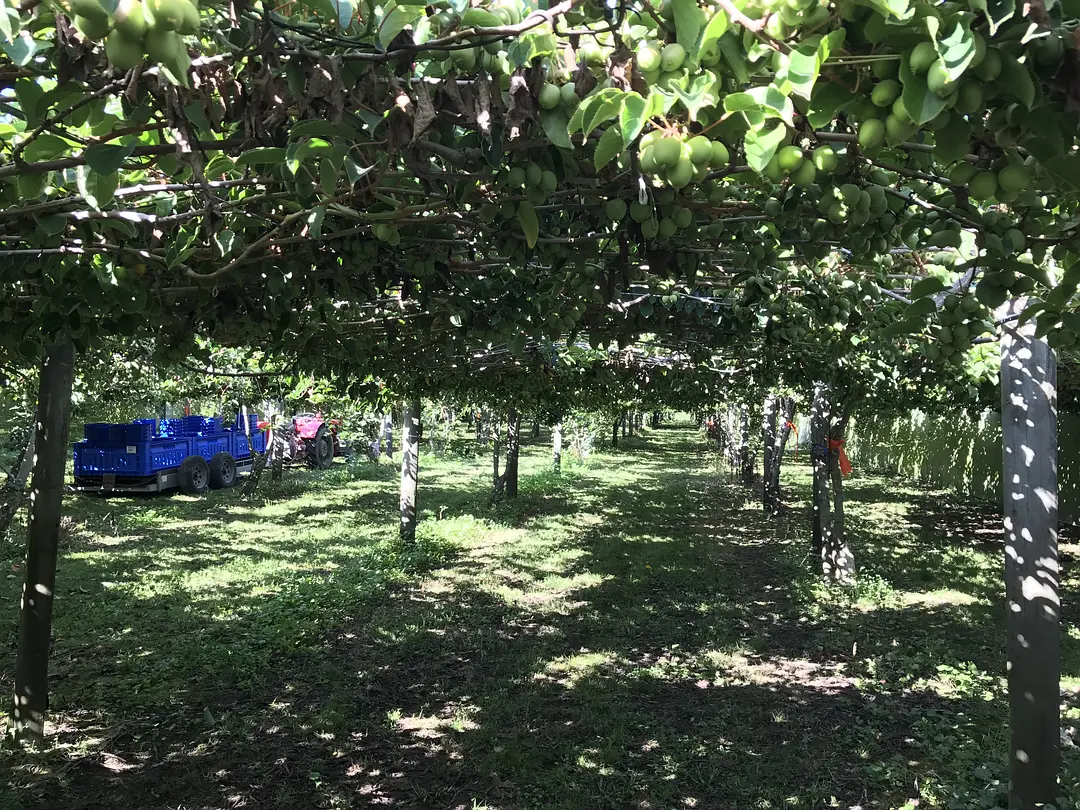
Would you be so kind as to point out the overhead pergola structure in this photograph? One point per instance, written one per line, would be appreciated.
(791, 186)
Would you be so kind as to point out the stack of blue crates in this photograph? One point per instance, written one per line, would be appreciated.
(145, 446)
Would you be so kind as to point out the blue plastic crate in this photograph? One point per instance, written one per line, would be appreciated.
(199, 425)
(103, 432)
(210, 446)
(140, 431)
(166, 453)
(253, 422)
(170, 427)
(143, 458)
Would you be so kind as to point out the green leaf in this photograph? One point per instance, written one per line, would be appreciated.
(220, 165)
(224, 241)
(396, 20)
(28, 92)
(891, 8)
(701, 94)
(322, 129)
(105, 158)
(51, 225)
(32, 186)
(957, 47)
(689, 20)
(826, 103)
(21, 49)
(530, 225)
(729, 49)
(346, 12)
(555, 126)
(328, 176)
(294, 155)
(927, 286)
(767, 101)
(952, 141)
(315, 221)
(715, 29)
(1015, 80)
(98, 189)
(597, 108)
(354, 171)
(632, 118)
(530, 46)
(920, 308)
(9, 23)
(45, 147)
(262, 156)
(921, 104)
(610, 145)
(996, 12)
(761, 144)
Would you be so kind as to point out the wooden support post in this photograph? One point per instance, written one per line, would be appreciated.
(410, 470)
(746, 471)
(1033, 614)
(31, 698)
(819, 459)
(388, 434)
(513, 444)
(768, 441)
(556, 445)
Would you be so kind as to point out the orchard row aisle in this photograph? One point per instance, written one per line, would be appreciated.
(632, 634)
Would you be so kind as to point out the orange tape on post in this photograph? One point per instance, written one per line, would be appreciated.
(794, 430)
(845, 462)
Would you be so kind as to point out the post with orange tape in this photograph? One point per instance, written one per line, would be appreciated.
(845, 462)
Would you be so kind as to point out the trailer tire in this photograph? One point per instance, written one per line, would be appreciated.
(321, 449)
(222, 471)
(194, 475)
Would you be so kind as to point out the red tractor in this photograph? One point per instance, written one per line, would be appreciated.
(309, 439)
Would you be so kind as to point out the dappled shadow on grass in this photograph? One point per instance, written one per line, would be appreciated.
(637, 636)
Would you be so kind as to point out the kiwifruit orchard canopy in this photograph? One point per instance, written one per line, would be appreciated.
(511, 171)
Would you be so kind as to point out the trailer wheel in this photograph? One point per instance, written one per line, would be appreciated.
(194, 475)
(321, 449)
(222, 471)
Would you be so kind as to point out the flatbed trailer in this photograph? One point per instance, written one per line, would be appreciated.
(192, 454)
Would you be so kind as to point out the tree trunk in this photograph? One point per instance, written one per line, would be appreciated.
(1033, 614)
(746, 471)
(768, 430)
(623, 421)
(787, 417)
(410, 470)
(838, 562)
(31, 699)
(277, 460)
(15, 487)
(388, 434)
(615, 433)
(496, 451)
(556, 445)
(479, 425)
(536, 428)
(513, 444)
(819, 457)
(655, 419)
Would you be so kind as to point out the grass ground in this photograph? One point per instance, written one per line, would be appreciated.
(633, 634)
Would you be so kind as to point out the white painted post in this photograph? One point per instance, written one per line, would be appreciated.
(1033, 615)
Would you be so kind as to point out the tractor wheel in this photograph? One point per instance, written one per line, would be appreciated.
(194, 475)
(222, 471)
(321, 449)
